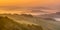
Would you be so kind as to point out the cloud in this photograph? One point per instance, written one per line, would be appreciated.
(40, 9)
(34, 6)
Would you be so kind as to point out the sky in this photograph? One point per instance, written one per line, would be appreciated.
(35, 7)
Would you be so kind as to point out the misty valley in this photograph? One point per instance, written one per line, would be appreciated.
(29, 14)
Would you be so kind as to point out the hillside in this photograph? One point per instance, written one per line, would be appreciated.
(9, 24)
(37, 21)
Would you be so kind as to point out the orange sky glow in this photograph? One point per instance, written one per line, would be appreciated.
(27, 3)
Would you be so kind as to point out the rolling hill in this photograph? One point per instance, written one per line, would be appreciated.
(37, 21)
(52, 15)
(9, 24)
